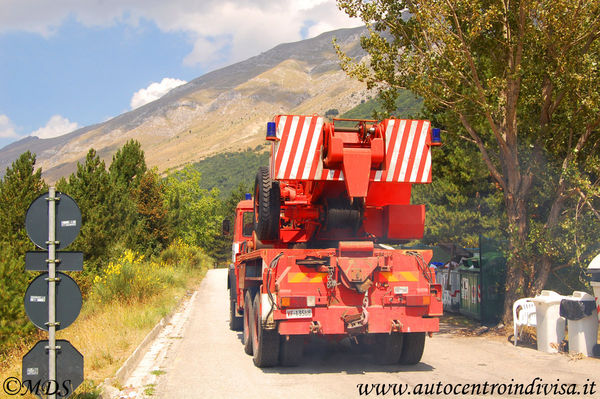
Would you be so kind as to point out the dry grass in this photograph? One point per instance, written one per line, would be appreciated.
(105, 334)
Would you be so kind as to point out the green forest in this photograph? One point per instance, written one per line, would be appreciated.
(227, 171)
(136, 226)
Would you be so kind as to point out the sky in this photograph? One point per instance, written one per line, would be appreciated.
(66, 64)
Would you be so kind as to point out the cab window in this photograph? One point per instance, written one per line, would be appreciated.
(248, 224)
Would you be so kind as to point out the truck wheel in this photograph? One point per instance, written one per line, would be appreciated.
(265, 343)
(248, 315)
(266, 206)
(412, 349)
(387, 348)
(290, 350)
(236, 323)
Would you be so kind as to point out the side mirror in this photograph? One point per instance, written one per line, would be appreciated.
(226, 227)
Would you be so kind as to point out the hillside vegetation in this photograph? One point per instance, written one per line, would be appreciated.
(227, 171)
(406, 106)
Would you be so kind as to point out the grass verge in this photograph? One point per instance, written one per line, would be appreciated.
(109, 329)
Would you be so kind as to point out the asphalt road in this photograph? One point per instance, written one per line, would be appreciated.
(207, 361)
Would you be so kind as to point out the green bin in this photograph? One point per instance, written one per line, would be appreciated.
(492, 281)
(470, 293)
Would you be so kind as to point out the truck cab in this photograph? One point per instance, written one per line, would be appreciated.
(243, 227)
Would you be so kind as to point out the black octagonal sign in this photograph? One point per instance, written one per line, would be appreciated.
(68, 301)
(69, 369)
(68, 221)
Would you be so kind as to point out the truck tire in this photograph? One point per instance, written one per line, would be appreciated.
(266, 206)
(265, 343)
(412, 348)
(387, 348)
(236, 323)
(290, 350)
(248, 315)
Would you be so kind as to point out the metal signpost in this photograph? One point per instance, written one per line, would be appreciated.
(55, 305)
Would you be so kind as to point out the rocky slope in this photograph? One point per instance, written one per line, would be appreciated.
(224, 110)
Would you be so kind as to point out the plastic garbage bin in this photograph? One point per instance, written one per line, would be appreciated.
(550, 325)
(582, 322)
(594, 270)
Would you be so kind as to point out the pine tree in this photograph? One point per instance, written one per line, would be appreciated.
(128, 165)
(91, 188)
(20, 186)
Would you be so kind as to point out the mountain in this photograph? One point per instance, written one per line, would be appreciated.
(224, 110)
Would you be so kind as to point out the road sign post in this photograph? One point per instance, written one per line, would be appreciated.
(51, 288)
(56, 360)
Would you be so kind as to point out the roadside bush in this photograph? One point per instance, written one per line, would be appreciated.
(132, 278)
(180, 254)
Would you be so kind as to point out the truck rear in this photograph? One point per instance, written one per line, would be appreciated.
(311, 250)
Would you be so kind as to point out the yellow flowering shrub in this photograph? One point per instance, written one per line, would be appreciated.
(131, 277)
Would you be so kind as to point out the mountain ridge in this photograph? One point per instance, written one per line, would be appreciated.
(225, 109)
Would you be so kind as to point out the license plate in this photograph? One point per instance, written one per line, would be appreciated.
(399, 290)
(298, 313)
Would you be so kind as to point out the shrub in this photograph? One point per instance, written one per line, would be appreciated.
(180, 254)
(132, 278)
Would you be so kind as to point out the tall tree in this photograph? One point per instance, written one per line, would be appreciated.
(154, 230)
(199, 211)
(19, 187)
(126, 170)
(128, 164)
(520, 79)
(462, 201)
(102, 223)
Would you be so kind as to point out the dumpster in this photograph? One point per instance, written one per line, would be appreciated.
(582, 322)
(454, 290)
(441, 277)
(470, 292)
(450, 281)
(492, 280)
(550, 325)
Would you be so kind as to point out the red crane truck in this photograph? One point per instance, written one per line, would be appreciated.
(311, 253)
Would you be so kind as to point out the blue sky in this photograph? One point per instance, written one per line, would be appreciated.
(66, 64)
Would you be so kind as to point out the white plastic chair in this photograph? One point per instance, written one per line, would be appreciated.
(523, 315)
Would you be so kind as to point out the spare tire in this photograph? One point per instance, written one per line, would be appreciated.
(266, 206)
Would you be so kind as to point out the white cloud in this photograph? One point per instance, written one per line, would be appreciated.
(154, 91)
(7, 128)
(56, 126)
(224, 31)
